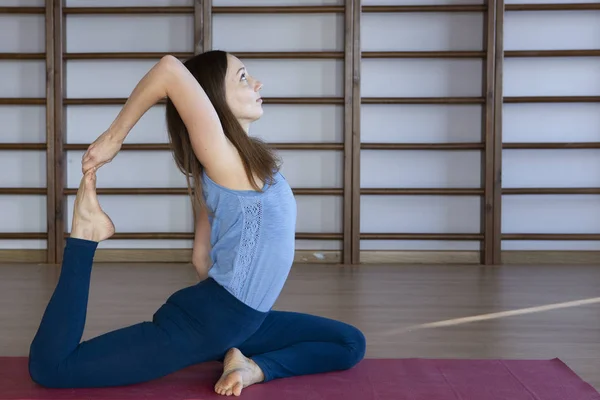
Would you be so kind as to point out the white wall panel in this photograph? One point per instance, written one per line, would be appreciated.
(318, 244)
(23, 124)
(285, 32)
(226, 3)
(22, 168)
(404, 123)
(27, 78)
(22, 33)
(551, 168)
(551, 30)
(322, 214)
(551, 245)
(421, 2)
(421, 31)
(135, 33)
(417, 168)
(548, 1)
(22, 3)
(419, 214)
(300, 123)
(304, 168)
(551, 77)
(127, 3)
(297, 78)
(130, 169)
(107, 78)
(553, 122)
(440, 245)
(85, 123)
(22, 213)
(33, 244)
(420, 78)
(551, 214)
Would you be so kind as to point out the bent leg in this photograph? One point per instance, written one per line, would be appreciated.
(129, 355)
(292, 344)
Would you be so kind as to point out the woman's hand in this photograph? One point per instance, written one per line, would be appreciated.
(102, 151)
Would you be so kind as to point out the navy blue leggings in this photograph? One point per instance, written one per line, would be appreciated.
(196, 324)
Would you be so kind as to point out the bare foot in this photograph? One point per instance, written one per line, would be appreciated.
(238, 372)
(89, 221)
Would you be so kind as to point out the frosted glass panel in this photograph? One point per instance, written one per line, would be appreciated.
(419, 214)
(226, 3)
(551, 245)
(127, 3)
(551, 168)
(33, 244)
(285, 32)
(22, 33)
(22, 168)
(86, 123)
(300, 123)
(551, 30)
(559, 122)
(107, 78)
(425, 245)
(420, 78)
(23, 213)
(421, 31)
(27, 78)
(304, 168)
(23, 124)
(403, 123)
(139, 33)
(551, 214)
(551, 77)
(322, 214)
(421, 2)
(412, 168)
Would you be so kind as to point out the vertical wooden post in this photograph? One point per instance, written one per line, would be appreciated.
(498, 102)
(488, 167)
(202, 26)
(50, 134)
(356, 102)
(348, 129)
(59, 133)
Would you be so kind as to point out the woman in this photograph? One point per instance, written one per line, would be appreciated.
(243, 250)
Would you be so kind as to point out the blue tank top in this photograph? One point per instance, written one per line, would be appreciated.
(252, 239)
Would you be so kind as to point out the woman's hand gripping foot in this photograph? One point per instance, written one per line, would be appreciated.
(239, 372)
(89, 221)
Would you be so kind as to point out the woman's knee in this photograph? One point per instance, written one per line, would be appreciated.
(356, 343)
(44, 375)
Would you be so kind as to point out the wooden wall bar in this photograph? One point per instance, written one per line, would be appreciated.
(491, 100)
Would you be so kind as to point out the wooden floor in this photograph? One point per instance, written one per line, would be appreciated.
(389, 303)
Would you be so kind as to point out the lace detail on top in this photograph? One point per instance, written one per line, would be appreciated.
(252, 211)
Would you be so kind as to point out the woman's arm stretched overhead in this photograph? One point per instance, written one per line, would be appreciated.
(168, 78)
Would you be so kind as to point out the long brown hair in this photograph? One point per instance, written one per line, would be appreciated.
(209, 69)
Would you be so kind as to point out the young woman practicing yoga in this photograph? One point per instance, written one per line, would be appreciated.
(245, 219)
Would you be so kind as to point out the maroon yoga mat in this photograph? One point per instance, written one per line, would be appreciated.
(402, 379)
